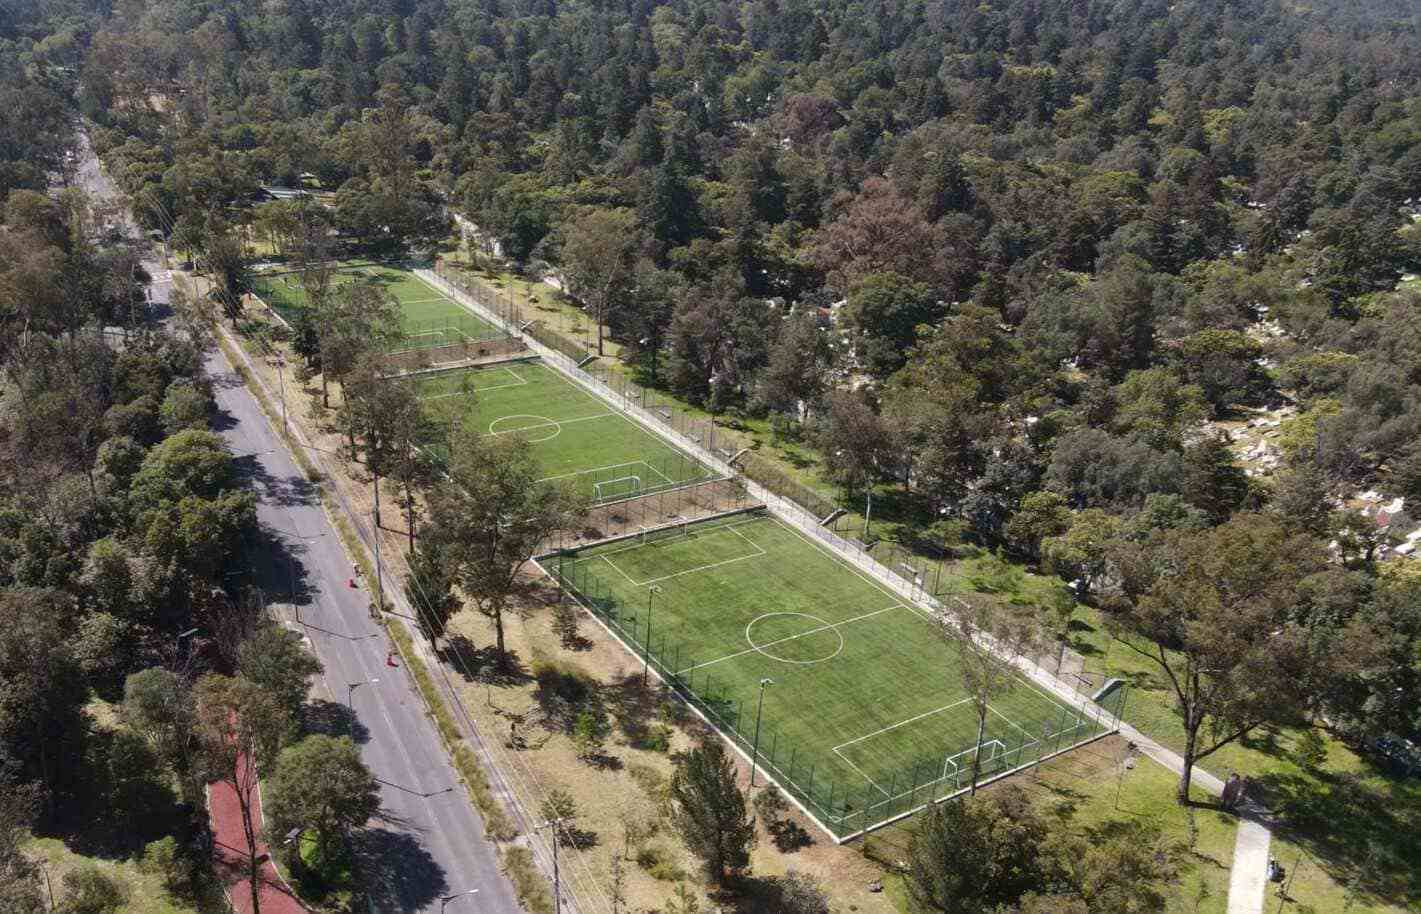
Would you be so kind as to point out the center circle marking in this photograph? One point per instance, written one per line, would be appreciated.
(819, 626)
(544, 422)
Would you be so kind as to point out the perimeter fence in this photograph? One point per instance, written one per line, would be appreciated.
(845, 808)
(794, 504)
(728, 444)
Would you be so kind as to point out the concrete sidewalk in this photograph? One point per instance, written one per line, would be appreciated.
(1248, 877)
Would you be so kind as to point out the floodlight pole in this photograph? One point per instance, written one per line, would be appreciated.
(651, 593)
(755, 748)
(867, 515)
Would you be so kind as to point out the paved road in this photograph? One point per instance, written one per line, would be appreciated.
(428, 840)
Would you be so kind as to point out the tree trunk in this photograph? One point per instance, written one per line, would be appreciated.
(409, 509)
(601, 313)
(325, 389)
(377, 503)
(1191, 745)
(244, 802)
(498, 630)
(977, 753)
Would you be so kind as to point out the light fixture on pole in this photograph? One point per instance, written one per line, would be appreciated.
(651, 593)
(178, 641)
(755, 748)
(444, 901)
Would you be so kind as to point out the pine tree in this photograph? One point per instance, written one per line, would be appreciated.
(711, 812)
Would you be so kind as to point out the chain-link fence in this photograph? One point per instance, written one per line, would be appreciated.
(844, 807)
(907, 576)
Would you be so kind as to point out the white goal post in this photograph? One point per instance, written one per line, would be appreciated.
(992, 750)
(622, 485)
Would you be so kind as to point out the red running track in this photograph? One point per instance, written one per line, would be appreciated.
(230, 856)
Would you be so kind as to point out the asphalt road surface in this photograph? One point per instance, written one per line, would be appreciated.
(428, 841)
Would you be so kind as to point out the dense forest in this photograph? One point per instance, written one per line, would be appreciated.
(1024, 260)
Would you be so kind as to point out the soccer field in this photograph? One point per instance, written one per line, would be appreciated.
(573, 433)
(867, 716)
(430, 318)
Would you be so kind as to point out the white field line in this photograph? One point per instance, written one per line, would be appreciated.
(613, 566)
(1019, 728)
(812, 631)
(633, 541)
(426, 301)
(902, 723)
(859, 772)
(610, 466)
(517, 382)
(739, 558)
(558, 423)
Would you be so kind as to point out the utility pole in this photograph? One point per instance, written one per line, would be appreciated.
(379, 569)
(557, 879)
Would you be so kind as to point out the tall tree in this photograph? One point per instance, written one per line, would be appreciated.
(1216, 611)
(710, 811)
(491, 514)
(240, 727)
(598, 252)
(321, 784)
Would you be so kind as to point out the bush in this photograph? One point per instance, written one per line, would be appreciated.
(770, 805)
(88, 891)
(655, 861)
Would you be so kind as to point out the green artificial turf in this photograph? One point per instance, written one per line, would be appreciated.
(573, 433)
(868, 715)
(429, 317)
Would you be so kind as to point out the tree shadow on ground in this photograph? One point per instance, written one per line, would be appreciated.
(398, 873)
(329, 718)
(1368, 833)
(484, 664)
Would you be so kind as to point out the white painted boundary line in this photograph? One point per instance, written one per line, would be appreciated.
(537, 562)
(739, 558)
(812, 631)
(785, 510)
(901, 723)
(517, 382)
(550, 423)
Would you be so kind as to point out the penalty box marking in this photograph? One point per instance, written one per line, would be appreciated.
(759, 552)
(518, 381)
(610, 466)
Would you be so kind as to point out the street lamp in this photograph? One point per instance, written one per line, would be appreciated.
(448, 898)
(651, 593)
(755, 748)
(178, 641)
(350, 706)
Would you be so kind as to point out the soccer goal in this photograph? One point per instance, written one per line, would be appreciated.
(992, 751)
(621, 487)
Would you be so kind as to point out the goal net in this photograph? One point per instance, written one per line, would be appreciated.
(621, 487)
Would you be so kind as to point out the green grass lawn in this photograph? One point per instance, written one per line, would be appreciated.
(868, 715)
(1350, 830)
(430, 318)
(1084, 792)
(574, 434)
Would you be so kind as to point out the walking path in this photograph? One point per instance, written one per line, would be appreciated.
(1250, 870)
(230, 855)
(1248, 877)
